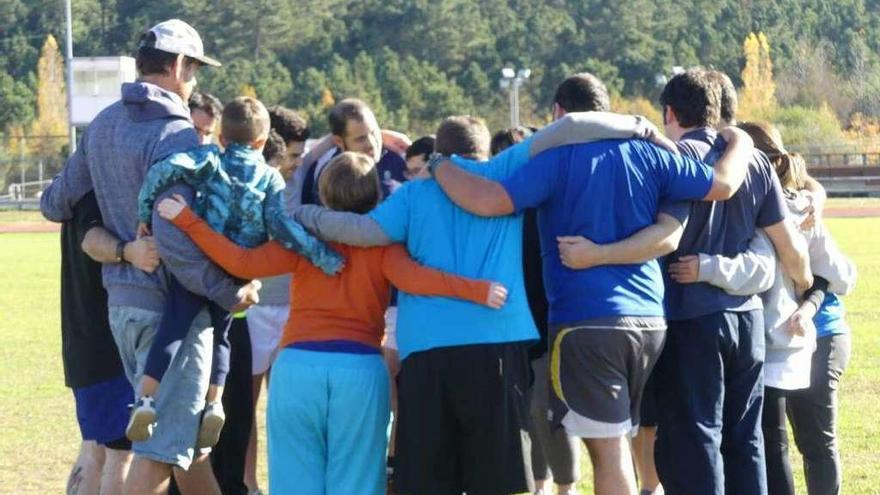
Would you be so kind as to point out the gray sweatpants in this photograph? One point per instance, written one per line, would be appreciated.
(556, 449)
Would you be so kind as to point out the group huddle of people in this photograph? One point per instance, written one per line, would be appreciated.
(452, 315)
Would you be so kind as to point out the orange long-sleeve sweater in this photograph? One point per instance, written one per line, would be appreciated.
(350, 306)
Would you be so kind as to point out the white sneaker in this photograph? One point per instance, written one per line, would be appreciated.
(213, 419)
(143, 416)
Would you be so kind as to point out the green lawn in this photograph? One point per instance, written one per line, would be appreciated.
(16, 216)
(39, 436)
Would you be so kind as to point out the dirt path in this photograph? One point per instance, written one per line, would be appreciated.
(29, 227)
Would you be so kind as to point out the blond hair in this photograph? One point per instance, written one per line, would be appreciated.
(350, 183)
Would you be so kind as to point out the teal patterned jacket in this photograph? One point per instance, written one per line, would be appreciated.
(239, 196)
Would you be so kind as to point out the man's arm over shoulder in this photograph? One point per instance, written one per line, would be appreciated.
(750, 272)
(188, 263)
(293, 190)
(658, 239)
(527, 187)
(341, 226)
(829, 262)
(585, 127)
(67, 188)
(791, 249)
(732, 168)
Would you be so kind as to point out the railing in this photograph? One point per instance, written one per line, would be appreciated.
(25, 190)
(831, 160)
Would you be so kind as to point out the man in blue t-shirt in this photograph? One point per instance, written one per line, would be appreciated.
(607, 323)
(464, 370)
(715, 344)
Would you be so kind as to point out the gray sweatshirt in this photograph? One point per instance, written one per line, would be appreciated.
(787, 363)
(113, 156)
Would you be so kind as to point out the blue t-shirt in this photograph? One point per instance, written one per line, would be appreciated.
(441, 235)
(604, 191)
(722, 228)
(830, 319)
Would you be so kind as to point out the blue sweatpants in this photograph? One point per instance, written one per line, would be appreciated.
(710, 395)
(326, 422)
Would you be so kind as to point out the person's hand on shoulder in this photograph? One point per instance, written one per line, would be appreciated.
(169, 208)
(497, 296)
(248, 295)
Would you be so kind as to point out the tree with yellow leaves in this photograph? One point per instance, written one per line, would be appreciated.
(49, 131)
(327, 98)
(248, 90)
(757, 98)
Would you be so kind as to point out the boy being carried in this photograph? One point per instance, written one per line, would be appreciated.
(239, 195)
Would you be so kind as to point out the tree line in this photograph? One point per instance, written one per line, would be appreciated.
(416, 61)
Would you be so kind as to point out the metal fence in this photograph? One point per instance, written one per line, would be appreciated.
(27, 163)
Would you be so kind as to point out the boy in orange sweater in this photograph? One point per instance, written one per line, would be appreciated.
(329, 395)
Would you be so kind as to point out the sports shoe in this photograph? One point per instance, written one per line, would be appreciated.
(213, 419)
(143, 416)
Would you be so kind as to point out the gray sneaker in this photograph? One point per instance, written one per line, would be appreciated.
(143, 416)
(213, 419)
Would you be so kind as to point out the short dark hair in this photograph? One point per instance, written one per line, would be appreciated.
(245, 120)
(274, 147)
(345, 110)
(729, 100)
(694, 97)
(149, 60)
(207, 103)
(350, 183)
(582, 92)
(422, 146)
(290, 125)
(506, 138)
(463, 135)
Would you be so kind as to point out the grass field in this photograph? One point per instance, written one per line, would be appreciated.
(39, 434)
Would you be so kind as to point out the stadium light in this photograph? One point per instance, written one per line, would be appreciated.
(511, 80)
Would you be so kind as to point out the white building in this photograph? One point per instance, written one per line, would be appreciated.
(97, 83)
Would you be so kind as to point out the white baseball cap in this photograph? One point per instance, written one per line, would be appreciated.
(176, 36)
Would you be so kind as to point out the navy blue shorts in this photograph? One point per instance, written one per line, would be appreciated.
(102, 411)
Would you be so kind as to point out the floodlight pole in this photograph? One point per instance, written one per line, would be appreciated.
(68, 69)
(511, 80)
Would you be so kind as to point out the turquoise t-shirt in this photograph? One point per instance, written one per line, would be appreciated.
(441, 235)
(831, 317)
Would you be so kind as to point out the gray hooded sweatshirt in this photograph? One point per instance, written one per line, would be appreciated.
(113, 156)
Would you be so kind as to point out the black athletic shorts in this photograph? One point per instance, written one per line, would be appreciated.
(598, 369)
(463, 421)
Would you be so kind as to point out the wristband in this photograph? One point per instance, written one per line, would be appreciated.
(120, 252)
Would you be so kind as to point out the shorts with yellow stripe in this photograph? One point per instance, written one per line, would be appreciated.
(598, 370)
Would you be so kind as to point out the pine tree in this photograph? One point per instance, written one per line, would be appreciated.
(757, 98)
(49, 130)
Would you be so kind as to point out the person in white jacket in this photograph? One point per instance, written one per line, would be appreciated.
(801, 371)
